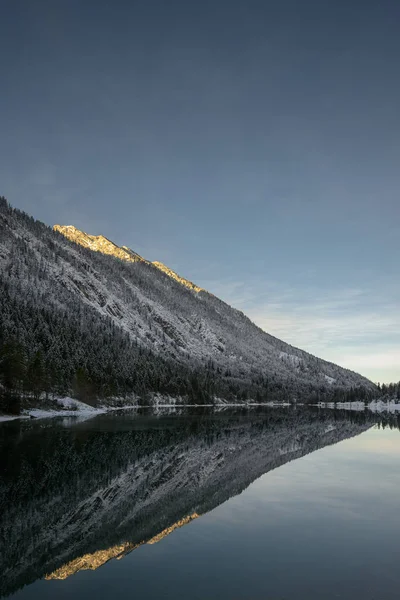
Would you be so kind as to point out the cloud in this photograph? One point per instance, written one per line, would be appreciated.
(358, 328)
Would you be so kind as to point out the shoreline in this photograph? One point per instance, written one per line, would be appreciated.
(38, 413)
(80, 409)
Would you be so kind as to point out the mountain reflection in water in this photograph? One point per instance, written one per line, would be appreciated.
(99, 558)
(72, 498)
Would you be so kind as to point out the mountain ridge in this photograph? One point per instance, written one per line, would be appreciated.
(100, 243)
(111, 327)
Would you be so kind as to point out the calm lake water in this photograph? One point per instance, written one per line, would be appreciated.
(269, 504)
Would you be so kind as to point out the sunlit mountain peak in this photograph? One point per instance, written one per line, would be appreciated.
(99, 243)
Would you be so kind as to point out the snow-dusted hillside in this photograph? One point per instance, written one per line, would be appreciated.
(93, 283)
(143, 482)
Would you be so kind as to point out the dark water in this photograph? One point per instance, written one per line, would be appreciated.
(271, 505)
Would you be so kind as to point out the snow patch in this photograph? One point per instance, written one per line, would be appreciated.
(38, 413)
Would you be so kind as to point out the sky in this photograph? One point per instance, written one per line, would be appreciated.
(252, 146)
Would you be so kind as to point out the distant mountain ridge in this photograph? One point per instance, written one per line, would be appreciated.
(82, 315)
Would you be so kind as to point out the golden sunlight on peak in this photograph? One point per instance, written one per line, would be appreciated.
(99, 243)
(173, 275)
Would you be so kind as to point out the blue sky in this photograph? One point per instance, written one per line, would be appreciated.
(251, 146)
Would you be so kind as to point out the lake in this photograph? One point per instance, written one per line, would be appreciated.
(271, 504)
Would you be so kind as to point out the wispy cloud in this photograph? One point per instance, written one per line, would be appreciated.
(358, 328)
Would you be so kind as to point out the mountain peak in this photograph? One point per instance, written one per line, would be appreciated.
(99, 243)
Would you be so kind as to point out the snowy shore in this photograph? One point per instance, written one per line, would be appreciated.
(376, 406)
(69, 407)
(63, 407)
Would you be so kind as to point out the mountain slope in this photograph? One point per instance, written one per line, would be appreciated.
(141, 323)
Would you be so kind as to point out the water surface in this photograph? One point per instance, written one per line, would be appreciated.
(273, 504)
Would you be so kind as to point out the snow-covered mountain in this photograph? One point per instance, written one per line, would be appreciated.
(109, 322)
(73, 499)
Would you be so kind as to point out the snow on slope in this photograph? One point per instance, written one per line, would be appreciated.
(159, 310)
(98, 243)
(292, 361)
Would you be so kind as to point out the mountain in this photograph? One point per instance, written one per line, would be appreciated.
(81, 315)
(147, 476)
